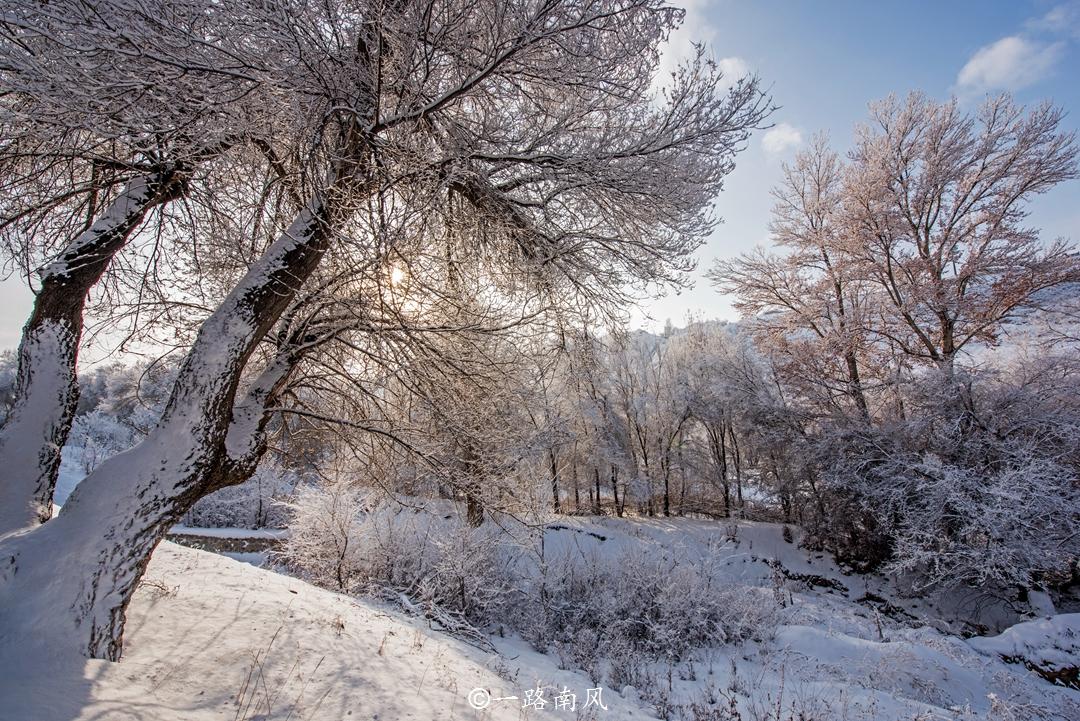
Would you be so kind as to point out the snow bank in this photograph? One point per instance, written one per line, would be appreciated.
(209, 638)
(212, 639)
(1049, 646)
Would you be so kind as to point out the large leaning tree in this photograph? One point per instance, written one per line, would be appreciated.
(110, 111)
(533, 119)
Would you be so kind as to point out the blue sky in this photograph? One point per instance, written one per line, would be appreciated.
(824, 61)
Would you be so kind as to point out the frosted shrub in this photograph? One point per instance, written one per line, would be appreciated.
(638, 603)
(469, 573)
(341, 537)
(100, 435)
(252, 504)
(981, 489)
(439, 562)
(607, 614)
(324, 527)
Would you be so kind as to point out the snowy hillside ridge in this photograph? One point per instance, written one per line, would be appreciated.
(1048, 646)
(211, 638)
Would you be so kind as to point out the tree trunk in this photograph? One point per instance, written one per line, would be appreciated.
(47, 390)
(667, 490)
(615, 489)
(718, 444)
(737, 458)
(596, 501)
(67, 583)
(474, 505)
(556, 503)
(577, 489)
(855, 388)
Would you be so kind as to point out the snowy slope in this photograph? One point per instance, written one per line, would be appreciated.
(211, 638)
(750, 551)
(848, 645)
(205, 631)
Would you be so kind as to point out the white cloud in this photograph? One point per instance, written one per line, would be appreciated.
(1061, 20)
(680, 46)
(781, 138)
(733, 69)
(1012, 63)
(680, 43)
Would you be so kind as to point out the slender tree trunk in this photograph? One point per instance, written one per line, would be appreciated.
(737, 458)
(577, 490)
(596, 501)
(855, 389)
(719, 446)
(682, 490)
(667, 486)
(47, 390)
(615, 489)
(556, 503)
(474, 502)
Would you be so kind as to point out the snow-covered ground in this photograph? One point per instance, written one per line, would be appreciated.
(750, 551)
(211, 638)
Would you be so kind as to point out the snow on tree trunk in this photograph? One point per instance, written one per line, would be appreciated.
(47, 390)
(67, 583)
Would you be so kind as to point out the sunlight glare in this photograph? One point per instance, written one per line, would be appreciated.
(397, 276)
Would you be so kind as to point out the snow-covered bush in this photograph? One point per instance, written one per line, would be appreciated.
(346, 538)
(252, 504)
(99, 435)
(605, 613)
(980, 485)
(325, 529)
(646, 604)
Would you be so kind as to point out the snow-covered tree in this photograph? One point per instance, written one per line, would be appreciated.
(81, 179)
(899, 270)
(936, 203)
(537, 116)
(808, 301)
